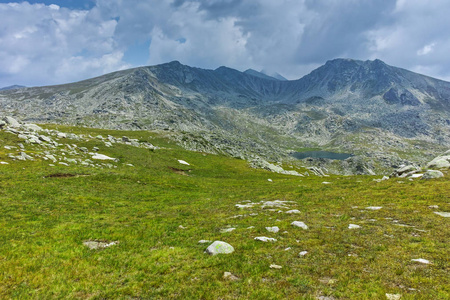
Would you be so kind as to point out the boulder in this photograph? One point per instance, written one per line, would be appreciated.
(432, 174)
(440, 162)
(219, 247)
(32, 127)
(102, 157)
(11, 122)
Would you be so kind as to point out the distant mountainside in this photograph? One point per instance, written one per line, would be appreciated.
(12, 87)
(367, 108)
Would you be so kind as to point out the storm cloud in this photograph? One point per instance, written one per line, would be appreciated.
(50, 43)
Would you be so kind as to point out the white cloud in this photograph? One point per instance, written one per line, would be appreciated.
(42, 44)
(426, 49)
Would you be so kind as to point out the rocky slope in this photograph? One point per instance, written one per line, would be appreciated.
(384, 115)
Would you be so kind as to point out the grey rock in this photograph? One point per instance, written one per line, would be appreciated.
(299, 224)
(95, 245)
(219, 247)
(432, 174)
(32, 127)
(11, 122)
(273, 229)
(265, 239)
(440, 162)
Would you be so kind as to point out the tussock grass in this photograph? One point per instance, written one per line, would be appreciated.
(44, 219)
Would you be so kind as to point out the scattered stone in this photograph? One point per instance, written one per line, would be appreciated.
(63, 163)
(303, 253)
(432, 174)
(326, 182)
(443, 214)
(374, 207)
(421, 260)
(265, 239)
(61, 135)
(95, 149)
(182, 227)
(269, 180)
(245, 205)
(250, 227)
(325, 298)
(183, 162)
(3, 163)
(32, 127)
(229, 276)
(273, 229)
(129, 165)
(275, 203)
(300, 224)
(204, 241)
(94, 245)
(353, 226)
(287, 249)
(273, 266)
(102, 157)
(440, 162)
(219, 247)
(433, 206)
(393, 296)
(293, 211)
(227, 230)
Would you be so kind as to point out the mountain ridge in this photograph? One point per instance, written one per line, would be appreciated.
(362, 107)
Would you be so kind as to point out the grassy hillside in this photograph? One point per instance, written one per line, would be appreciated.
(158, 210)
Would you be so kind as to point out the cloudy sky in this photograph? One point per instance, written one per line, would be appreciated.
(50, 42)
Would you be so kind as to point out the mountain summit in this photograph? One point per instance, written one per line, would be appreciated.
(345, 105)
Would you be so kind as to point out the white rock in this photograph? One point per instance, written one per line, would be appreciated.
(229, 276)
(443, 214)
(300, 224)
(93, 245)
(269, 180)
(3, 163)
(292, 211)
(303, 253)
(245, 205)
(11, 122)
(32, 127)
(421, 260)
(63, 163)
(227, 230)
(326, 182)
(273, 266)
(433, 206)
(393, 296)
(353, 226)
(219, 247)
(273, 229)
(265, 239)
(102, 157)
(287, 249)
(183, 162)
(374, 207)
(204, 241)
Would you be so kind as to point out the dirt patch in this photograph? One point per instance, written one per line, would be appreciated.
(64, 175)
(180, 171)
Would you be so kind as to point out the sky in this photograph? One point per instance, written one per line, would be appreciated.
(54, 42)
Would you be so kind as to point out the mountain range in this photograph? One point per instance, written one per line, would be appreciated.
(382, 114)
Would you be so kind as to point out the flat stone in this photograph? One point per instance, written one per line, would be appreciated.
(183, 162)
(393, 296)
(273, 266)
(300, 224)
(353, 226)
(3, 163)
(374, 207)
(273, 229)
(102, 157)
(94, 245)
(443, 214)
(292, 211)
(421, 260)
(219, 247)
(303, 253)
(265, 239)
(227, 230)
(204, 241)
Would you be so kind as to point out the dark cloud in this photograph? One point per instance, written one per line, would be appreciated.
(288, 36)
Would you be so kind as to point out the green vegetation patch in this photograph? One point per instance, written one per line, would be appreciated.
(152, 211)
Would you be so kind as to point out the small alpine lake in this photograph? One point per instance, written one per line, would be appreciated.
(321, 154)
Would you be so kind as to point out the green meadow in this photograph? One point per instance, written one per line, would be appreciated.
(158, 210)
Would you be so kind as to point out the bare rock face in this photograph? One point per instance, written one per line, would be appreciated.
(11, 122)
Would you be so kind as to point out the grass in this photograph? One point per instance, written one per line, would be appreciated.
(44, 219)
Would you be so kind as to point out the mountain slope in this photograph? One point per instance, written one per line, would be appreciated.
(362, 107)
